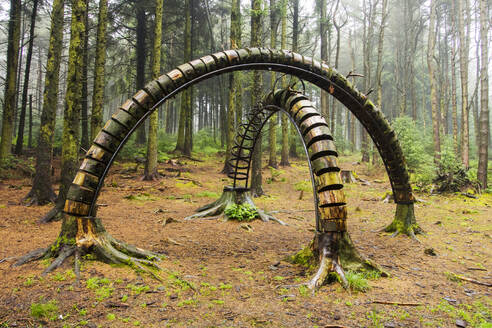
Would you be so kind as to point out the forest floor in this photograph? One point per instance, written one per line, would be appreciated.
(237, 274)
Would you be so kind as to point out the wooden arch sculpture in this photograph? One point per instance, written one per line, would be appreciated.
(332, 249)
(80, 223)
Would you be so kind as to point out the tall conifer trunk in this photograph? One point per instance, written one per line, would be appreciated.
(10, 93)
(42, 190)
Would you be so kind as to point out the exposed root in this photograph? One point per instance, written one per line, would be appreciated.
(83, 236)
(333, 254)
(404, 222)
(33, 199)
(55, 214)
(231, 196)
(155, 176)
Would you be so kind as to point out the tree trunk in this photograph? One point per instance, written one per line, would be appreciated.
(42, 190)
(256, 183)
(464, 36)
(29, 139)
(286, 139)
(453, 78)
(99, 70)
(10, 80)
(141, 58)
(20, 135)
(232, 120)
(84, 140)
(484, 98)
(150, 172)
(433, 83)
(73, 107)
(272, 133)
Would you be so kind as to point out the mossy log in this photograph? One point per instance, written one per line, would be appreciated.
(333, 253)
(86, 236)
(231, 196)
(404, 222)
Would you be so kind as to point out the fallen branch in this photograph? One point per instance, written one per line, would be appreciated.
(197, 183)
(396, 303)
(335, 326)
(477, 269)
(188, 157)
(473, 281)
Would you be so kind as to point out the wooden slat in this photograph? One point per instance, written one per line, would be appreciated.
(107, 141)
(76, 208)
(93, 167)
(86, 180)
(328, 179)
(330, 197)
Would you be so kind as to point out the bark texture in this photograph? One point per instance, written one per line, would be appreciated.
(42, 190)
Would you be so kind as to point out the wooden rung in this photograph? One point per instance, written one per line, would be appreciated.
(115, 129)
(325, 164)
(125, 118)
(80, 194)
(76, 208)
(331, 197)
(333, 213)
(328, 179)
(93, 167)
(99, 153)
(85, 179)
(107, 141)
(322, 146)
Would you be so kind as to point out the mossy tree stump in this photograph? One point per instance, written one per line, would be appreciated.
(231, 196)
(404, 222)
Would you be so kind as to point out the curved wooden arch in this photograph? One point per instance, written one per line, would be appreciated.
(82, 195)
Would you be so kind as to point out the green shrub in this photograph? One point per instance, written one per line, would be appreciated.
(241, 212)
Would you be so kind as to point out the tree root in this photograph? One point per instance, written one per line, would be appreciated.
(55, 214)
(231, 196)
(155, 176)
(332, 254)
(34, 199)
(404, 222)
(87, 236)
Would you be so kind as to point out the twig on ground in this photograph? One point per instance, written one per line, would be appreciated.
(396, 303)
(473, 281)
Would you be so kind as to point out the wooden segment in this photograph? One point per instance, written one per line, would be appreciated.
(243, 55)
(307, 62)
(315, 135)
(317, 131)
(333, 225)
(328, 179)
(333, 212)
(316, 68)
(80, 194)
(177, 77)
(298, 105)
(198, 66)
(325, 164)
(86, 180)
(92, 166)
(306, 112)
(99, 153)
(297, 59)
(155, 90)
(124, 118)
(188, 71)
(276, 56)
(115, 129)
(107, 141)
(220, 60)
(266, 54)
(166, 84)
(287, 57)
(331, 197)
(322, 146)
(134, 109)
(76, 208)
(209, 62)
(144, 99)
(254, 55)
(232, 56)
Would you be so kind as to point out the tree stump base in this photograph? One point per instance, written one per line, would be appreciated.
(86, 235)
(404, 222)
(333, 254)
(231, 196)
(348, 176)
